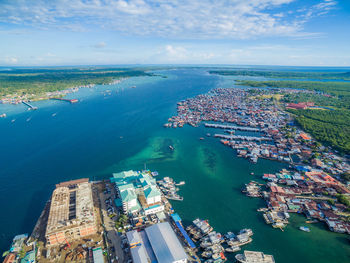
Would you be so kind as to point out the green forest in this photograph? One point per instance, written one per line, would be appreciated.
(332, 127)
(285, 74)
(37, 81)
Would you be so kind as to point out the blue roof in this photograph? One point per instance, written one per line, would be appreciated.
(176, 217)
(302, 168)
(185, 235)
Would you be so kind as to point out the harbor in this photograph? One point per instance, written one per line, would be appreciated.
(213, 174)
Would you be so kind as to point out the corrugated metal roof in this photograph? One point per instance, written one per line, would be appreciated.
(97, 255)
(137, 249)
(165, 244)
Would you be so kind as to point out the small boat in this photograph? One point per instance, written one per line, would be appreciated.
(13, 120)
(171, 147)
(304, 228)
(54, 114)
(311, 221)
(3, 115)
(133, 87)
(233, 249)
(208, 134)
(29, 119)
(201, 138)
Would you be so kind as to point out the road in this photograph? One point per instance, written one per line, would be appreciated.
(115, 240)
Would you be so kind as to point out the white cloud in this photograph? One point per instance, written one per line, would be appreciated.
(11, 60)
(195, 19)
(100, 45)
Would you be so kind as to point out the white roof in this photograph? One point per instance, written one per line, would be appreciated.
(165, 244)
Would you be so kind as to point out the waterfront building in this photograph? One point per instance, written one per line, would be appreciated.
(129, 198)
(157, 243)
(10, 258)
(17, 243)
(254, 257)
(138, 192)
(71, 214)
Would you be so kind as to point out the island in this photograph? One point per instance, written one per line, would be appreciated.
(19, 85)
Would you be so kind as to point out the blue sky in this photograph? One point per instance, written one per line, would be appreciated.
(246, 32)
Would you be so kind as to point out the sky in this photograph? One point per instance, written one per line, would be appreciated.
(237, 32)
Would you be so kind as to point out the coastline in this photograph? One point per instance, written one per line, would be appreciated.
(214, 171)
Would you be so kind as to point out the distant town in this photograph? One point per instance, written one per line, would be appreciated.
(315, 182)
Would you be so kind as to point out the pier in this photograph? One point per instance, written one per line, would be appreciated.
(31, 107)
(231, 127)
(67, 100)
(241, 137)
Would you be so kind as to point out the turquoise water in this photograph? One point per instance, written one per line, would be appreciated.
(107, 133)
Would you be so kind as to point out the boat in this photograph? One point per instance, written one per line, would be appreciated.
(54, 114)
(171, 147)
(304, 228)
(233, 249)
(311, 221)
(174, 197)
(201, 138)
(246, 231)
(180, 183)
(3, 115)
(207, 254)
(205, 244)
(13, 120)
(133, 87)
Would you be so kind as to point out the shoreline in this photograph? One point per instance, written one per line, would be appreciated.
(224, 107)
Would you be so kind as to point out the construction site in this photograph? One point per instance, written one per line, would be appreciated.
(70, 227)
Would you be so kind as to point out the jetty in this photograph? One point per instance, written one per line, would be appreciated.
(31, 107)
(231, 127)
(67, 100)
(241, 137)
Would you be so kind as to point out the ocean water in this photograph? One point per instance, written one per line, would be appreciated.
(108, 133)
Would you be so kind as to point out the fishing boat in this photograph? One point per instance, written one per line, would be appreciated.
(304, 228)
(311, 221)
(233, 249)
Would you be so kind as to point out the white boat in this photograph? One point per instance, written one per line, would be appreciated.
(304, 228)
(233, 249)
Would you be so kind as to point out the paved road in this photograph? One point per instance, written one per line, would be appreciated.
(111, 233)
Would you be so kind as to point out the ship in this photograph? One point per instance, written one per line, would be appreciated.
(304, 228)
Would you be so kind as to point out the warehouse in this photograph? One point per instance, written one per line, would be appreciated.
(157, 243)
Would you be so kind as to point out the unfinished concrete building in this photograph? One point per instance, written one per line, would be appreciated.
(71, 213)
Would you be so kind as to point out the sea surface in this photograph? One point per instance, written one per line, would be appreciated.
(115, 128)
